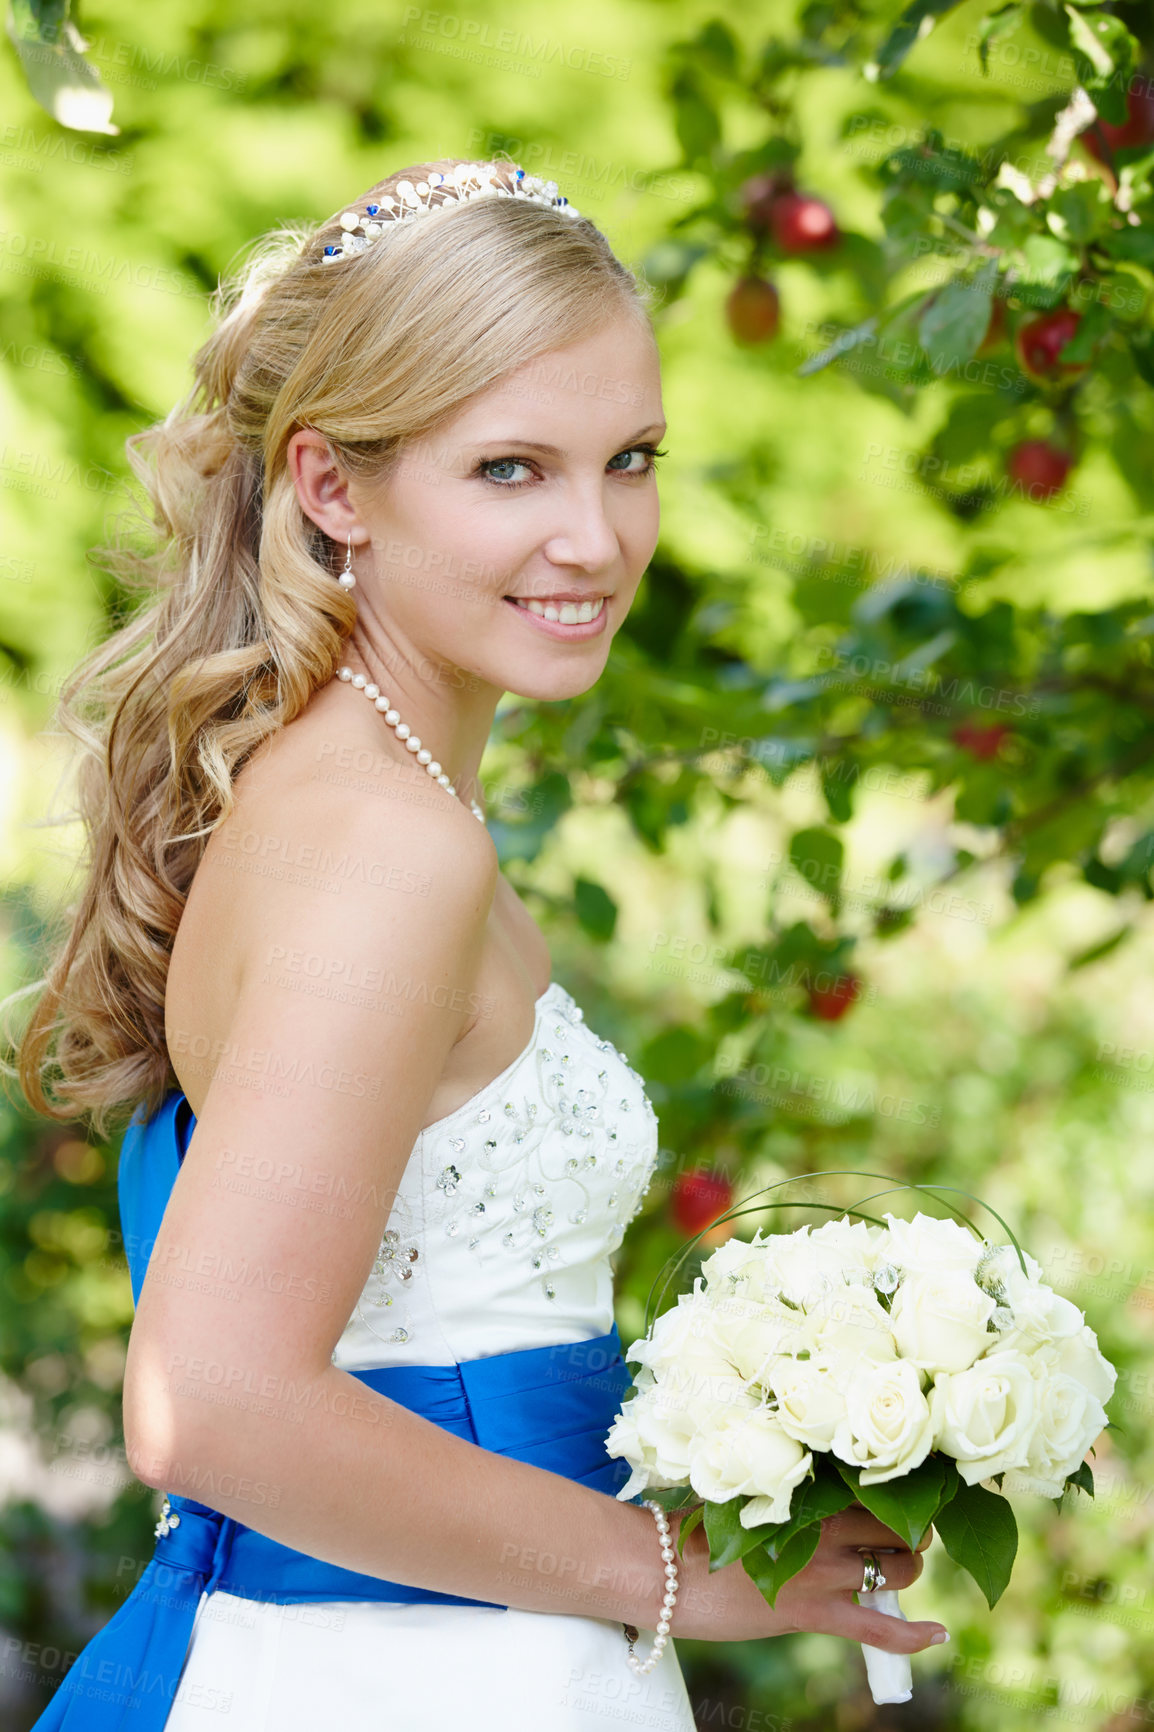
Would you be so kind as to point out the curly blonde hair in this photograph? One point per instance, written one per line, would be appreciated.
(244, 619)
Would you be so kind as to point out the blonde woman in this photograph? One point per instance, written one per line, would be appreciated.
(377, 1165)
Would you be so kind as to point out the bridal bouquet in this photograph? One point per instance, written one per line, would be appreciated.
(906, 1365)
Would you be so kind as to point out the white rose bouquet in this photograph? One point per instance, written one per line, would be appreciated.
(908, 1366)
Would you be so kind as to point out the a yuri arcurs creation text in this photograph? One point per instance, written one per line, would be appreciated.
(911, 1367)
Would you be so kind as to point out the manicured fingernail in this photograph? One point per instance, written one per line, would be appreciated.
(938, 1637)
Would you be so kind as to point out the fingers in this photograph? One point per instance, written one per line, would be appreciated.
(896, 1637)
(857, 1527)
(900, 1569)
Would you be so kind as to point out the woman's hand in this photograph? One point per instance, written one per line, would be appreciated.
(726, 1606)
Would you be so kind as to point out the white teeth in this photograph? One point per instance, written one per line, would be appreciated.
(568, 613)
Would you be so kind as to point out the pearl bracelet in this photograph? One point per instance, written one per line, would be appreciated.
(640, 1667)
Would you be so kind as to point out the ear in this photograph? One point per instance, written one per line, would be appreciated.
(320, 487)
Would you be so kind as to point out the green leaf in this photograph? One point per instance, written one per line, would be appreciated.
(1135, 246)
(1048, 260)
(915, 23)
(837, 788)
(1082, 1477)
(771, 1574)
(996, 24)
(596, 909)
(695, 119)
(818, 855)
(1078, 213)
(728, 1540)
(953, 325)
(717, 49)
(909, 1504)
(691, 1521)
(814, 1499)
(841, 345)
(1105, 54)
(51, 50)
(978, 1530)
(1095, 952)
(1141, 345)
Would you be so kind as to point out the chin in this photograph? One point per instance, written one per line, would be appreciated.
(552, 686)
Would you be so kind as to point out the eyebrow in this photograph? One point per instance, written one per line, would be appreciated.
(555, 451)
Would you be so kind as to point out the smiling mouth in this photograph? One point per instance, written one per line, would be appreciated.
(563, 612)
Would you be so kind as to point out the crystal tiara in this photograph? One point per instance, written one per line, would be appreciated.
(468, 180)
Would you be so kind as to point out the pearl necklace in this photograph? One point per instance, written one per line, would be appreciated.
(404, 732)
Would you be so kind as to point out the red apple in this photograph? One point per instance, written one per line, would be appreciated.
(981, 740)
(753, 310)
(1042, 340)
(698, 1198)
(1137, 128)
(803, 225)
(1039, 468)
(831, 1002)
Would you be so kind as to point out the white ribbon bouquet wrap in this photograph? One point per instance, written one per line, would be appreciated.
(904, 1365)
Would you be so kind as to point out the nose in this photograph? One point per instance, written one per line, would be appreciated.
(584, 538)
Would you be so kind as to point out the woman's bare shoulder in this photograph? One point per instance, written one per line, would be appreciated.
(370, 837)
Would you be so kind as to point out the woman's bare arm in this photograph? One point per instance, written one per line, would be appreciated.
(231, 1396)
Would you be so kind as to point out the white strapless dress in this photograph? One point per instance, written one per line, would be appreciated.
(501, 1238)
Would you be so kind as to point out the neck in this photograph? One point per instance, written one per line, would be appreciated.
(452, 717)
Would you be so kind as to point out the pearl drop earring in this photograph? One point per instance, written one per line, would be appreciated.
(347, 579)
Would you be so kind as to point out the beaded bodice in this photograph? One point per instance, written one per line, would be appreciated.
(509, 1209)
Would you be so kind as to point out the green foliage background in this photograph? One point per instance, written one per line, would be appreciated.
(787, 772)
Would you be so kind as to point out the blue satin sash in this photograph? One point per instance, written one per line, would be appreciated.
(551, 1406)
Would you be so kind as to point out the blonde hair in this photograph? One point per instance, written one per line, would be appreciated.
(246, 619)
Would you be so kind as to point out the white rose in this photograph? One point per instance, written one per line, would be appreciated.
(685, 1337)
(759, 1335)
(854, 1243)
(661, 1422)
(805, 1265)
(850, 1321)
(738, 1266)
(887, 1430)
(985, 1417)
(939, 1321)
(747, 1454)
(1069, 1420)
(624, 1439)
(1039, 1316)
(1078, 1356)
(810, 1398)
(927, 1246)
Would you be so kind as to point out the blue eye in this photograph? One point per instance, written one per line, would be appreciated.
(647, 451)
(505, 463)
(488, 465)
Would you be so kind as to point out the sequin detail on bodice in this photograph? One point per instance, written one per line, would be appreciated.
(509, 1209)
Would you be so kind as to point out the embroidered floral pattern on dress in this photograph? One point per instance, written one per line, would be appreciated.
(533, 1181)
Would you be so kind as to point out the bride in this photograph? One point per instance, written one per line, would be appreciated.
(377, 1165)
